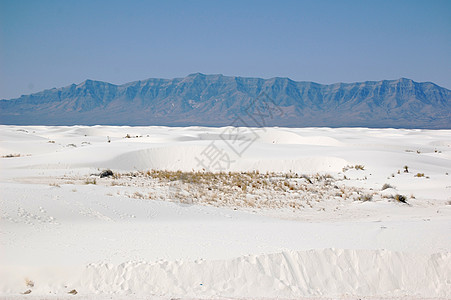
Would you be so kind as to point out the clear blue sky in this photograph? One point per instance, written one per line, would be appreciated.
(45, 44)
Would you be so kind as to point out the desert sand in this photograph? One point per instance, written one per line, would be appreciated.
(307, 215)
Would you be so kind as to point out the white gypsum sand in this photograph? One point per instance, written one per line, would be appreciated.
(303, 213)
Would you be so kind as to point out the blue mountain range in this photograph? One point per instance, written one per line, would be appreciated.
(217, 100)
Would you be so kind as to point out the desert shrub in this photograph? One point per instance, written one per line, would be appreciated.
(419, 175)
(401, 198)
(106, 173)
(387, 186)
(406, 169)
(359, 167)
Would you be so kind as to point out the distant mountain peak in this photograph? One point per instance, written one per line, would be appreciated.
(197, 74)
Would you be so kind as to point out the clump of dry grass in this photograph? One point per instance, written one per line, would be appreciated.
(238, 189)
(138, 195)
(11, 155)
(366, 197)
(29, 283)
(357, 167)
(73, 292)
(90, 181)
(387, 186)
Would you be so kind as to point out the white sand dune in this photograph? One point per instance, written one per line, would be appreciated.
(132, 237)
(290, 274)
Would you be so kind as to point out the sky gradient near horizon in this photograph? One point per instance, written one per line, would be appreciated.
(49, 43)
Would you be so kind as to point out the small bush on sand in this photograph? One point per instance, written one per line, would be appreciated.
(387, 186)
(401, 198)
(106, 173)
(419, 175)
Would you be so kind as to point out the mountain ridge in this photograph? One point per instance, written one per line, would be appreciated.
(217, 100)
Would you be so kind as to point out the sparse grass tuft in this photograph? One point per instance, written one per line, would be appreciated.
(29, 283)
(366, 197)
(387, 186)
(357, 167)
(11, 155)
(90, 181)
(73, 292)
(138, 195)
